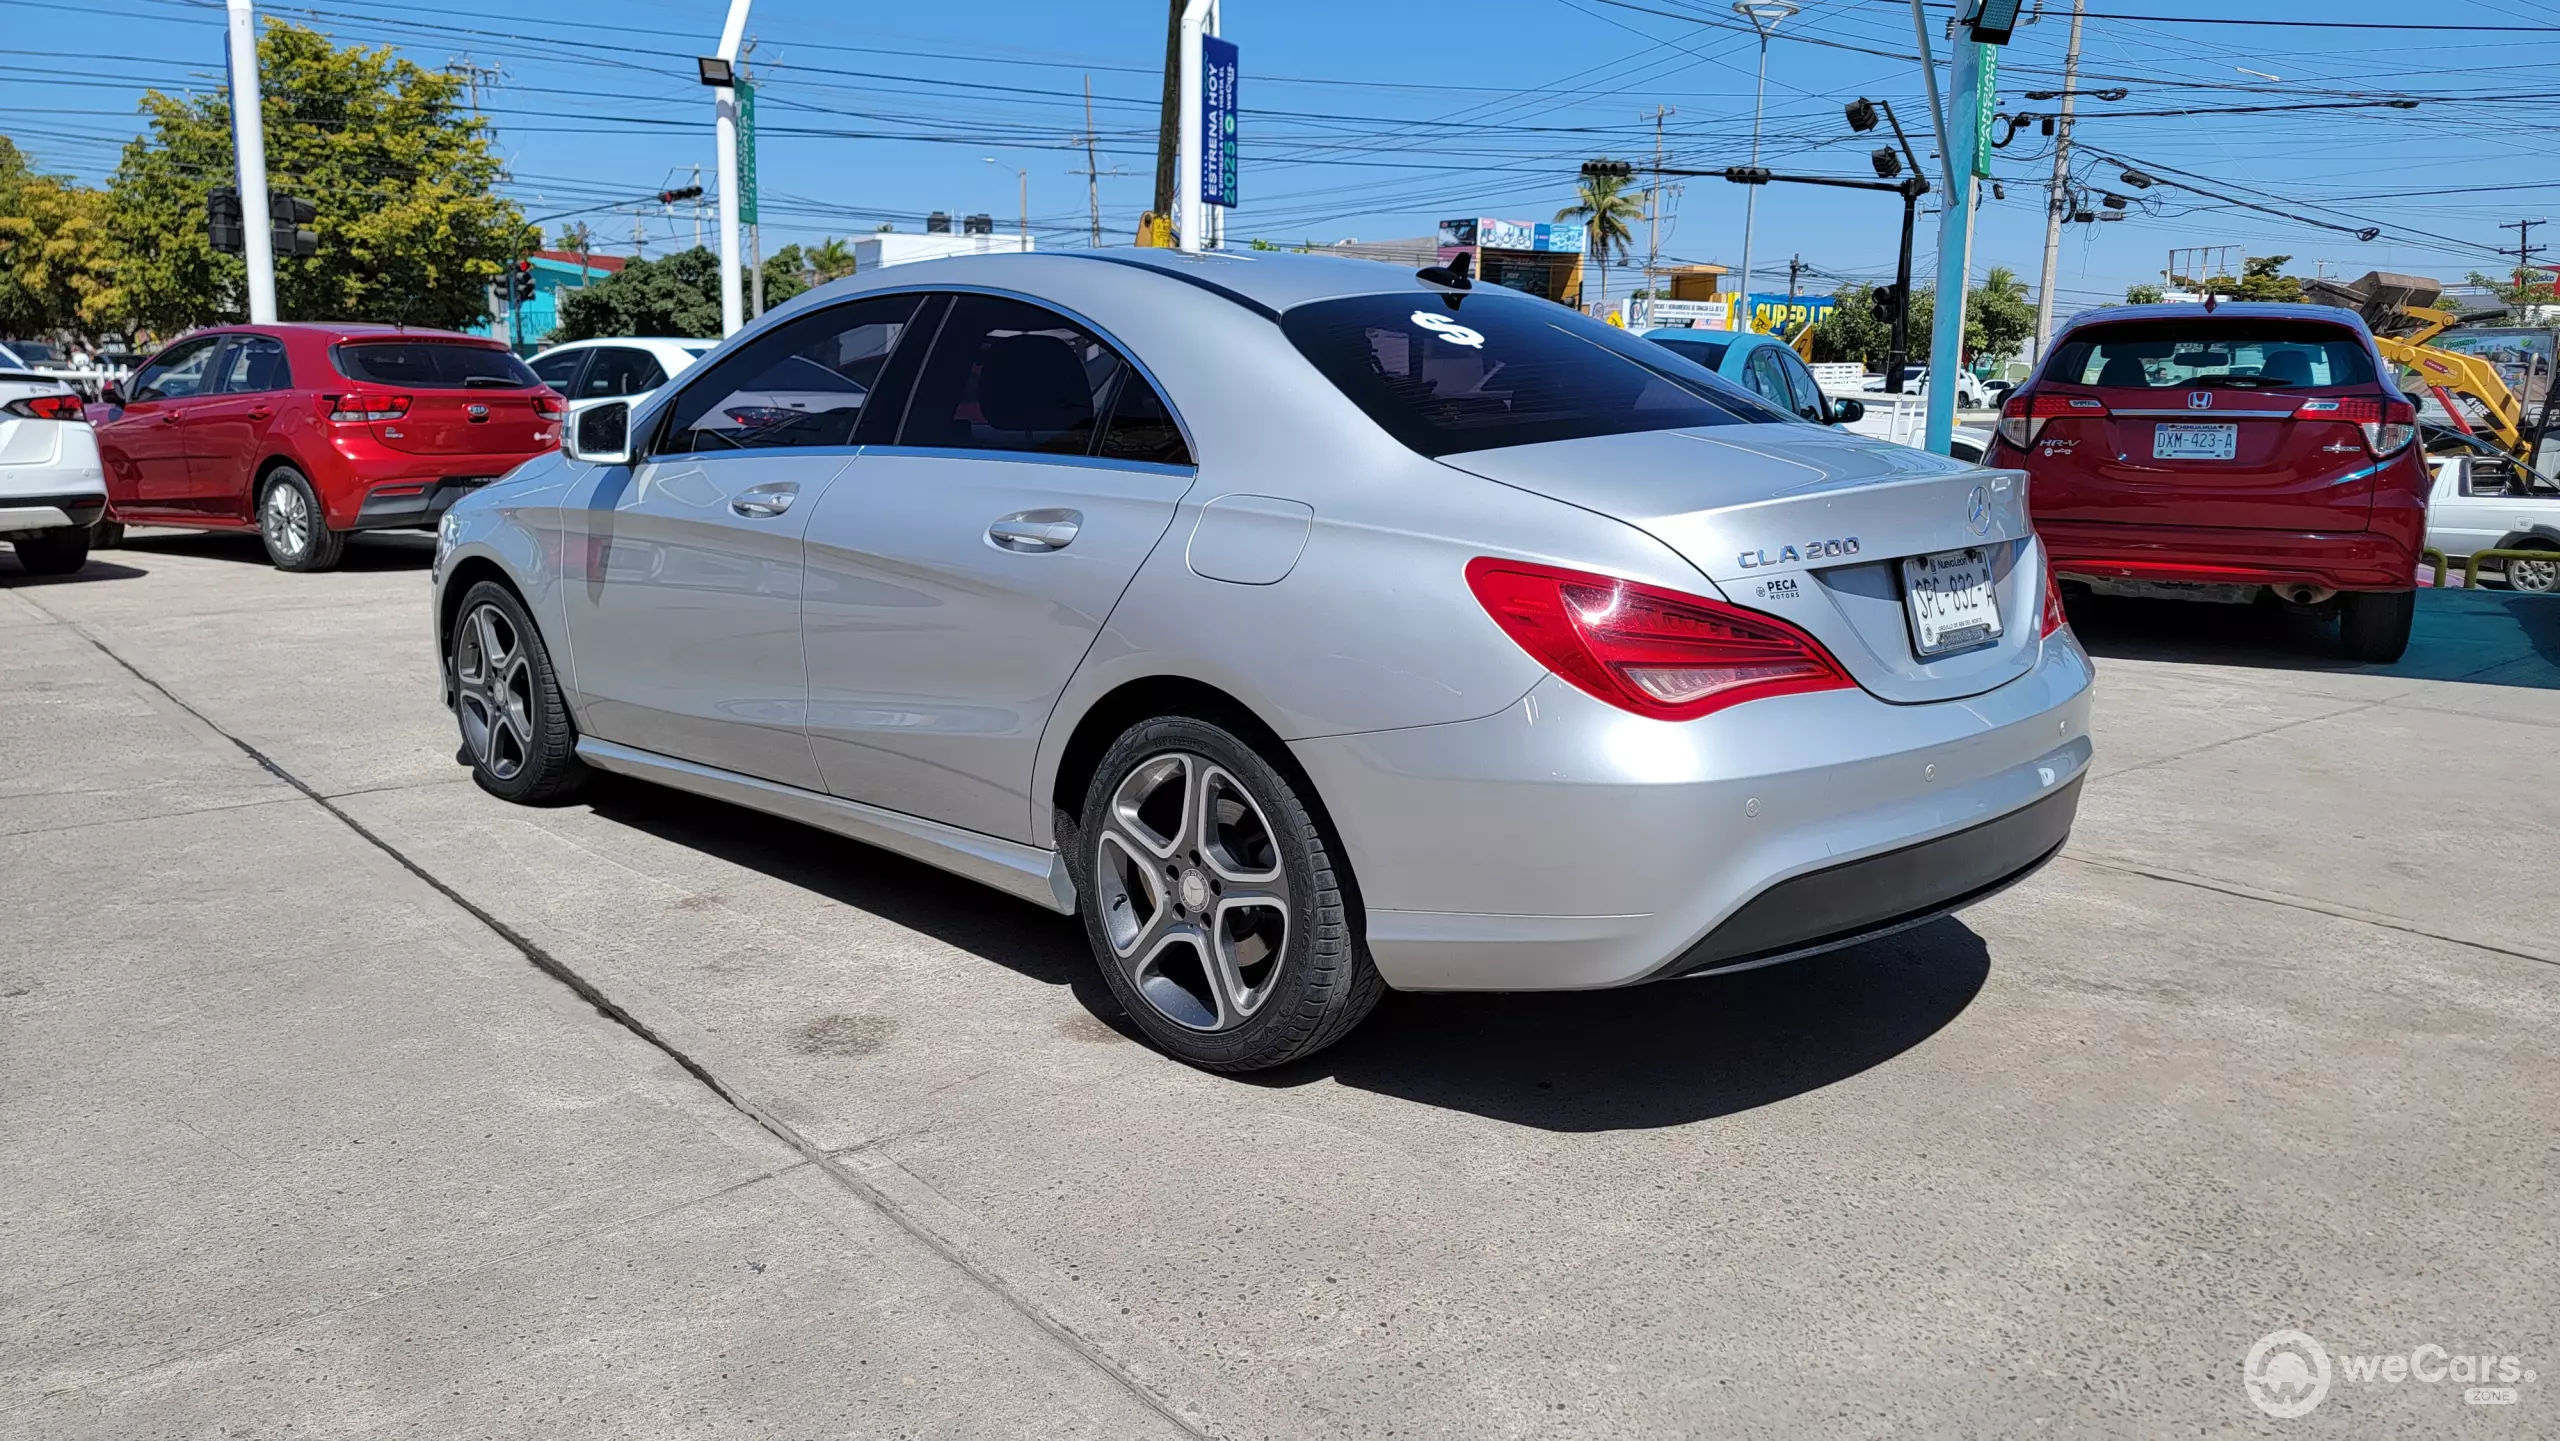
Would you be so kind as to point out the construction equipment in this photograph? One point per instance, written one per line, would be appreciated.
(2401, 312)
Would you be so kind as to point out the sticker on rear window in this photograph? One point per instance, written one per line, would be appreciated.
(1449, 330)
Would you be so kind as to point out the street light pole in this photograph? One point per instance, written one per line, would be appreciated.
(733, 300)
(1764, 16)
(1955, 242)
(249, 143)
(1024, 175)
(1199, 17)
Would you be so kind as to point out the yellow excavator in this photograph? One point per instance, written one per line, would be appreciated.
(2401, 312)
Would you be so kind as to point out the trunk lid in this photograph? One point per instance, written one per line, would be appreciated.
(2204, 424)
(463, 397)
(1811, 526)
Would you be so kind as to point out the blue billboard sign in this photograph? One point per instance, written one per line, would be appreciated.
(1217, 121)
(1777, 313)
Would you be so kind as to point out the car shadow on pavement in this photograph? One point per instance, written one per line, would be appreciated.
(1663, 1054)
(2459, 635)
(366, 550)
(1654, 1055)
(13, 575)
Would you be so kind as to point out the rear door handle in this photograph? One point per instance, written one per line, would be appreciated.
(1033, 531)
(762, 502)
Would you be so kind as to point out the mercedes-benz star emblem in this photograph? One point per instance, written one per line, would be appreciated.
(1977, 511)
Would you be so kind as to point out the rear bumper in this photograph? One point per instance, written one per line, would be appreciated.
(414, 504)
(2205, 555)
(26, 514)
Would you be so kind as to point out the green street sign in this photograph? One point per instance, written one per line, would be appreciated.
(1987, 96)
(747, 153)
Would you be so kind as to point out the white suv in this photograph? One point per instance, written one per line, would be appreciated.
(52, 489)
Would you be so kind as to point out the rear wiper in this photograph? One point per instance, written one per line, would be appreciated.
(470, 381)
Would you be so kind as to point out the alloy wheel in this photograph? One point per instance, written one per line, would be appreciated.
(493, 678)
(2538, 576)
(1194, 899)
(288, 519)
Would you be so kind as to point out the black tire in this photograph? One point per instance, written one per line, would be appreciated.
(2373, 625)
(2534, 577)
(106, 534)
(54, 552)
(308, 546)
(516, 732)
(1309, 989)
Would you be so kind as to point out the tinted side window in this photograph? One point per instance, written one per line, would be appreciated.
(178, 374)
(801, 384)
(620, 370)
(254, 363)
(560, 369)
(1809, 401)
(1768, 379)
(1142, 426)
(1008, 375)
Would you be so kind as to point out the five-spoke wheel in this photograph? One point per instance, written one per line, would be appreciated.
(515, 727)
(1214, 900)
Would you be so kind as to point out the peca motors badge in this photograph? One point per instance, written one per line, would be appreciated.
(1977, 511)
(2199, 400)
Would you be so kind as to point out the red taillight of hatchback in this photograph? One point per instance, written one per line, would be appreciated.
(360, 406)
(2388, 425)
(47, 407)
(2023, 418)
(549, 405)
(2054, 618)
(1654, 652)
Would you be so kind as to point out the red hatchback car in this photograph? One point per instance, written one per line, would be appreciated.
(308, 432)
(2229, 454)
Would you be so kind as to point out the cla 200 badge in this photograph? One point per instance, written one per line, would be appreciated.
(1788, 554)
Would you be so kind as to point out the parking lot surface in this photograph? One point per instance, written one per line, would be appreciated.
(342, 1099)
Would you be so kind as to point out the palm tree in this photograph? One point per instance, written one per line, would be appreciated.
(1609, 209)
(831, 258)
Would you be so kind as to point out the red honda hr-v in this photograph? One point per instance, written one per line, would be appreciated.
(2227, 454)
(309, 432)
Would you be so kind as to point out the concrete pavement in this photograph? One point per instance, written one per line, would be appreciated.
(313, 1132)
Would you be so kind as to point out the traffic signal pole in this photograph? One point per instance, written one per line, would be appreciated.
(249, 145)
(1898, 354)
(1955, 243)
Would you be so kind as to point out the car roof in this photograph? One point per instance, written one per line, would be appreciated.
(681, 342)
(1747, 339)
(1263, 281)
(2224, 310)
(339, 330)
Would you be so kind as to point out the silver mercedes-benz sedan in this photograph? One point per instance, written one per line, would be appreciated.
(1308, 626)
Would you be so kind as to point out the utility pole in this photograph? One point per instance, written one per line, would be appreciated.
(249, 146)
(1795, 272)
(733, 302)
(1169, 114)
(697, 207)
(1652, 217)
(1092, 175)
(2057, 200)
(2525, 248)
(1764, 16)
(473, 76)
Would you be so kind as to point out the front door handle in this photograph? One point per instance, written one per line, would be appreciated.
(762, 502)
(1033, 531)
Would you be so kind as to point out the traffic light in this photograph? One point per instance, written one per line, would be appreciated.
(689, 192)
(1887, 300)
(1886, 160)
(1747, 174)
(1608, 169)
(520, 284)
(1862, 114)
(222, 220)
(289, 226)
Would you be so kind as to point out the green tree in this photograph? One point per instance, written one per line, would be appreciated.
(2261, 277)
(1998, 317)
(1610, 209)
(677, 294)
(53, 275)
(830, 259)
(404, 177)
(2144, 294)
(1852, 330)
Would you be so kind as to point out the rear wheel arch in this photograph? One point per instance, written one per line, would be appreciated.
(2540, 537)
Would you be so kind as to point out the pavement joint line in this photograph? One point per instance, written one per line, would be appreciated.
(2304, 903)
(867, 1190)
(2346, 709)
(7, 836)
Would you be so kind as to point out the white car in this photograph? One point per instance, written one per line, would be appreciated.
(2481, 506)
(621, 367)
(1970, 393)
(52, 488)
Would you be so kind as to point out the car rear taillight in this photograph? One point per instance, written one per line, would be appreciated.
(1655, 652)
(2054, 618)
(363, 406)
(2023, 418)
(47, 407)
(2388, 425)
(549, 405)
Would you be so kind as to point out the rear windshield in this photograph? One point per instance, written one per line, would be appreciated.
(1709, 353)
(1450, 373)
(431, 364)
(2210, 354)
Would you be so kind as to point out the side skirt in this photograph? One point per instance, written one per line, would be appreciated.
(1028, 872)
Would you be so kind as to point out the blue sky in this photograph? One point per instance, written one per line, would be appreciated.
(1374, 120)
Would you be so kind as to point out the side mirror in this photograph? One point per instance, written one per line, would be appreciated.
(1848, 412)
(601, 433)
(112, 394)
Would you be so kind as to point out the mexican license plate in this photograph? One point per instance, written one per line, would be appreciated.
(2173, 441)
(1952, 604)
